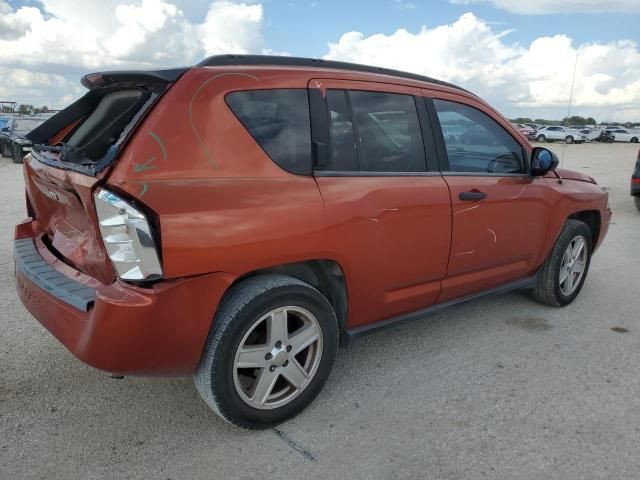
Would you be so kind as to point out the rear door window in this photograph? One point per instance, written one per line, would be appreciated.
(279, 122)
(388, 132)
(374, 132)
(343, 154)
(476, 143)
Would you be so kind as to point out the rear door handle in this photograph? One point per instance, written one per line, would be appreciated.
(472, 195)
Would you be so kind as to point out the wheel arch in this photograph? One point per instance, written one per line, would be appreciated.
(593, 221)
(591, 217)
(325, 275)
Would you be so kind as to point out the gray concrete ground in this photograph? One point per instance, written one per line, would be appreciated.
(498, 388)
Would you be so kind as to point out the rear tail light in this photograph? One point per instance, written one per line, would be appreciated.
(127, 237)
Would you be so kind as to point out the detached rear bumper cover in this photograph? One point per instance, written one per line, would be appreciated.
(119, 328)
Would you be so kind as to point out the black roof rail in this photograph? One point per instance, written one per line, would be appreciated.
(241, 60)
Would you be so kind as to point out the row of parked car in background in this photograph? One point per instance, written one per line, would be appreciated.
(13, 131)
(552, 133)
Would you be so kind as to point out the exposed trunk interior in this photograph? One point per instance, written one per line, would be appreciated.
(60, 177)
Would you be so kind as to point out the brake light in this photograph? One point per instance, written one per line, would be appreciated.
(127, 236)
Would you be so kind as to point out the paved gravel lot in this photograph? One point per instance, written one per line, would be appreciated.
(498, 388)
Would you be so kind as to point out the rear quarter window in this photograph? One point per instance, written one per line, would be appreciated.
(279, 122)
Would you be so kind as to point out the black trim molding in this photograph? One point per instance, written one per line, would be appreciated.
(349, 335)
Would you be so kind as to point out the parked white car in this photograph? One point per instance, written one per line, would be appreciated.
(591, 134)
(556, 132)
(624, 135)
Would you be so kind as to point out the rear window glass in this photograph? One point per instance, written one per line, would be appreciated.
(279, 122)
(103, 126)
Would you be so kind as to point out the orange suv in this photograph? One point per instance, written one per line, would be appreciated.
(238, 219)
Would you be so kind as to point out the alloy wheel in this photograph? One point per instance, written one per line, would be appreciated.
(277, 357)
(574, 262)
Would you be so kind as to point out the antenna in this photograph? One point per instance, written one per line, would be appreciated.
(573, 80)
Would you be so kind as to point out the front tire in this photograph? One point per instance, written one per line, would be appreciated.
(542, 138)
(562, 275)
(271, 349)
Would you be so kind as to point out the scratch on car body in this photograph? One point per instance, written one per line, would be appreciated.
(519, 193)
(159, 140)
(141, 167)
(144, 188)
(467, 209)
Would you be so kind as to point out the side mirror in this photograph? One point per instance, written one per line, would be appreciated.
(543, 161)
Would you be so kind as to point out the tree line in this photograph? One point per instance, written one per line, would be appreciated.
(25, 109)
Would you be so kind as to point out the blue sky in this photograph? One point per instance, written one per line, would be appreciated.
(519, 55)
(304, 30)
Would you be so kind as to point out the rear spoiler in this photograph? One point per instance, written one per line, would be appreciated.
(131, 78)
(95, 82)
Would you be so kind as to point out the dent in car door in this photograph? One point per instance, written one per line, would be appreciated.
(393, 228)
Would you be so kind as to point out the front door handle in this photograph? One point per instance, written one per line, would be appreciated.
(472, 195)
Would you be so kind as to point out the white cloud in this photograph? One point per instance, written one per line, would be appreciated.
(67, 37)
(44, 50)
(516, 79)
(539, 7)
(105, 34)
(244, 21)
(11, 26)
(40, 88)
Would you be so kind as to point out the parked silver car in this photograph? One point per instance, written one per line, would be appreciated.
(624, 135)
(557, 132)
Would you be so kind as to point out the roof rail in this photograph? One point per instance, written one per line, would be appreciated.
(237, 60)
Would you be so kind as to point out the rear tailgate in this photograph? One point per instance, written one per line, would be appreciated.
(71, 155)
(61, 202)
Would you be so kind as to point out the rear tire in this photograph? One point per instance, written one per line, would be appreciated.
(634, 140)
(542, 138)
(5, 151)
(636, 200)
(569, 139)
(563, 273)
(248, 330)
